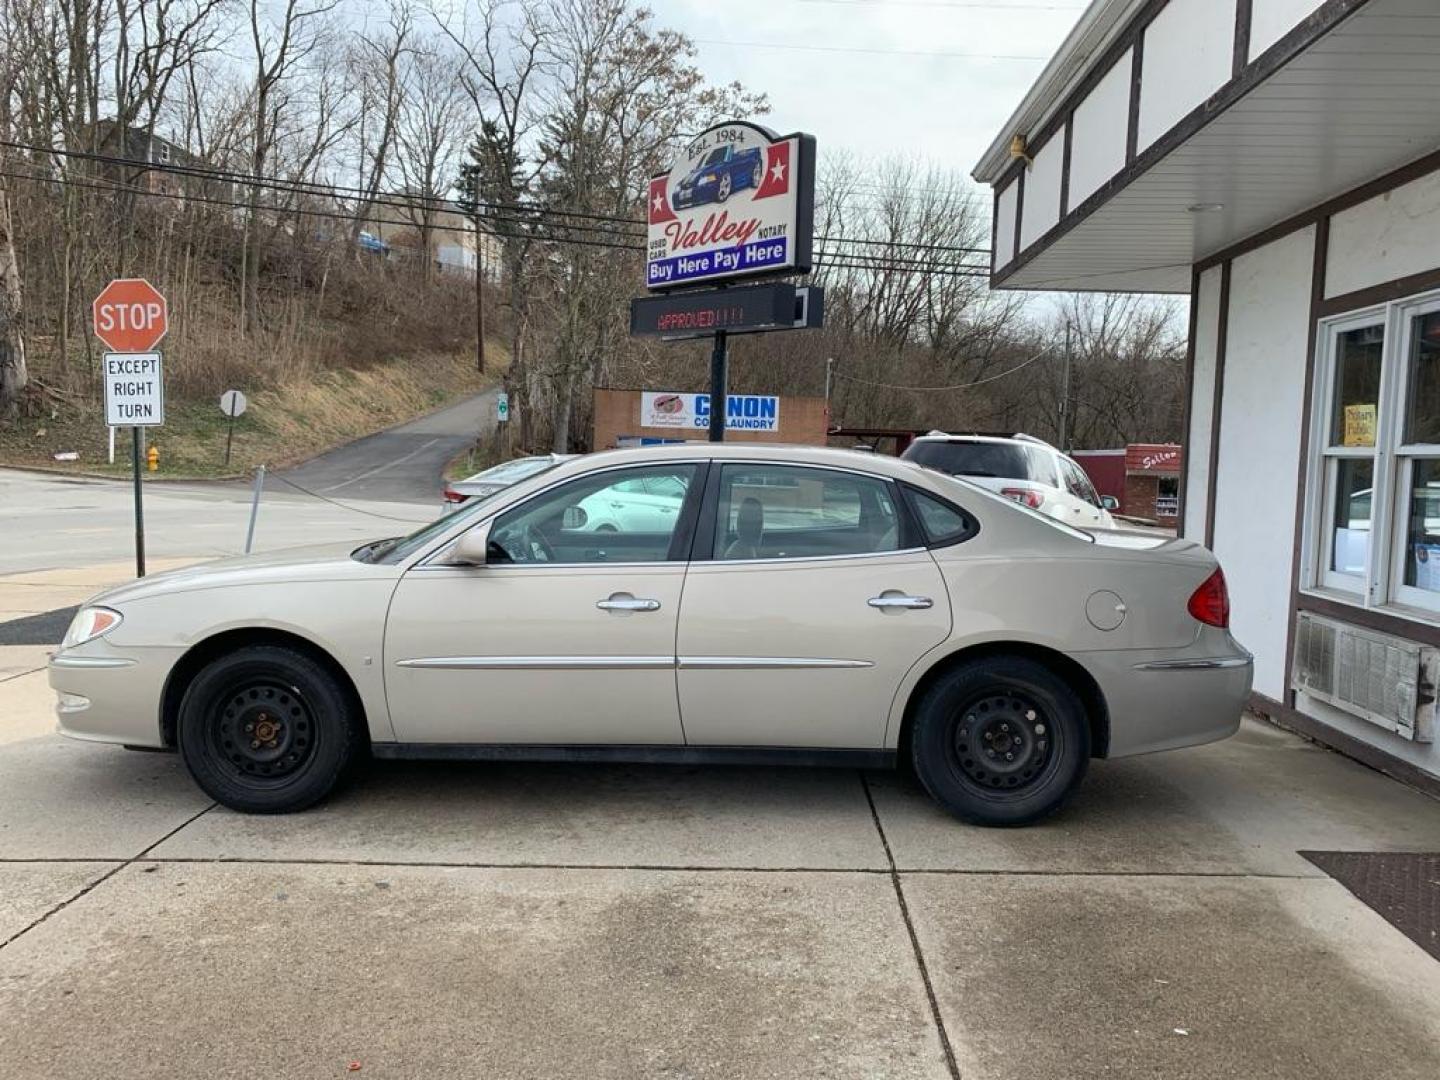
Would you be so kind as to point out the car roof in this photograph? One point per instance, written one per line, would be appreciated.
(1008, 440)
(781, 453)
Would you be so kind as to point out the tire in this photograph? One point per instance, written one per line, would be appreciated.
(983, 709)
(723, 191)
(757, 175)
(302, 728)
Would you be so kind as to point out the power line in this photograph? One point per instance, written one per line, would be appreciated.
(960, 386)
(844, 261)
(787, 47)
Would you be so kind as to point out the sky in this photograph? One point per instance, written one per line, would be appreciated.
(934, 79)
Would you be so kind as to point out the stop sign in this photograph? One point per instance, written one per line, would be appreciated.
(130, 315)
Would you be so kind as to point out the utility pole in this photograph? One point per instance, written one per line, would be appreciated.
(829, 374)
(1065, 396)
(718, 389)
(479, 299)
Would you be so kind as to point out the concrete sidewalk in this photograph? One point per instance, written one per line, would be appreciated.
(556, 921)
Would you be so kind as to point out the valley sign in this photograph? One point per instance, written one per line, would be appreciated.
(738, 202)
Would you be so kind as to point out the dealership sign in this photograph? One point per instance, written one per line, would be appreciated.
(1162, 458)
(738, 202)
(743, 412)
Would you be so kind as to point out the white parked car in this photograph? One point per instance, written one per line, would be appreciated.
(800, 605)
(1023, 468)
(499, 477)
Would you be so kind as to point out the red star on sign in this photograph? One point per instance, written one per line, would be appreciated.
(659, 203)
(777, 171)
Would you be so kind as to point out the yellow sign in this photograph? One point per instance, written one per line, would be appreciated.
(1359, 425)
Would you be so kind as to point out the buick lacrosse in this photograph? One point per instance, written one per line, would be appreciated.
(743, 603)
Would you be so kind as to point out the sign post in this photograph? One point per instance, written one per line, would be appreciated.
(130, 317)
(739, 202)
(502, 407)
(232, 404)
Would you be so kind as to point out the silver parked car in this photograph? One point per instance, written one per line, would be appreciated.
(497, 478)
(798, 605)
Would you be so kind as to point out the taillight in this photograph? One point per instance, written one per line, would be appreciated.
(450, 495)
(1026, 496)
(1210, 603)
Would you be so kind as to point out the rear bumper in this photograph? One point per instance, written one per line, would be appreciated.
(1163, 702)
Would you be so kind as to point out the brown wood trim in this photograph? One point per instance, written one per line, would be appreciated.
(1019, 208)
(1132, 122)
(1292, 720)
(1065, 164)
(1221, 347)
(1370, 618)
(1413, 170)
(1319, 260)
(1314, 26)
(1244, 12)
(1383, 293)
(1093, 74)
(1189, 398)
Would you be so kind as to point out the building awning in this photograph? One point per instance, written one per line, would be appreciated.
(1348, 92)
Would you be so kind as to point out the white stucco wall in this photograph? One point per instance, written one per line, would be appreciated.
(1099, 128)
(1189, 50)
(1042, 191)
(1260, 415)
(1388, 237)
(1270, 20)
(1005, 223)
(1202, 403)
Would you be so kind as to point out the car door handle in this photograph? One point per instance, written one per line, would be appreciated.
(625, 602)
(914, 602)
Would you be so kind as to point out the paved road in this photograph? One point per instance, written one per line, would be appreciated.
(403, 464)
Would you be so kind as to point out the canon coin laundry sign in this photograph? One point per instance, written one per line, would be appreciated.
(130, 315)
(738, 202)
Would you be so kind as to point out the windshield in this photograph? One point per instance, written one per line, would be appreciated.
(395, 548)
(1006, 461)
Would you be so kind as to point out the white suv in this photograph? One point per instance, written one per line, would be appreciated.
(1022, 467)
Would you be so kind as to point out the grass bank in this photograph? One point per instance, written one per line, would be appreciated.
(284, 424)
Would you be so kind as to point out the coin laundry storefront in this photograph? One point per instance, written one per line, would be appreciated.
(1279, 161)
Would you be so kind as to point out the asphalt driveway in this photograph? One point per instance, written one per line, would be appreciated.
(504, 920)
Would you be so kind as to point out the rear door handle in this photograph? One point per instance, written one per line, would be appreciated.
(626, 602)
(912, 602)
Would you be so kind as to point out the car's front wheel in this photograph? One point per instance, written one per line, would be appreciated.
(1000, 740)
(267, 730)
(723, 192)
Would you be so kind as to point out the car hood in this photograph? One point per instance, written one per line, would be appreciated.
(314, 562)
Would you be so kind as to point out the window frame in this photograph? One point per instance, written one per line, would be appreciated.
(702, 548)
(914, 491)
(1382, 585)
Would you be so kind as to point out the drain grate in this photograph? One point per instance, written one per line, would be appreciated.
(1404, 888)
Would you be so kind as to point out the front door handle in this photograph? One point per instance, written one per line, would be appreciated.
(912, 602)
(626, 602)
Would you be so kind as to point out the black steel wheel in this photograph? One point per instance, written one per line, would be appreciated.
(1001, 740)
(267, 729)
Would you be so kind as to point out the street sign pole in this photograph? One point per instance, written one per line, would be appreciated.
(135, 434)
(719, 360)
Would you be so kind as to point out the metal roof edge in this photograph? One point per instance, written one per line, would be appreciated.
(1101, 23)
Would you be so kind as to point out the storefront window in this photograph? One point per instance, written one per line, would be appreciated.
(1422, 542)
(1422, 419)
(1359, 355)
(1375, 534)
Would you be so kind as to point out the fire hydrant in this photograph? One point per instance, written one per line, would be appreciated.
(152, 458)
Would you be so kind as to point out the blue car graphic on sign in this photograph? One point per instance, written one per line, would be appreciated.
(724, 170)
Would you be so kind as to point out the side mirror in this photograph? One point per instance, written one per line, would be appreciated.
(472, 549)
(1109, 502)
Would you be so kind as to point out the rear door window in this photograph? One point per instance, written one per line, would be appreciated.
(788, 512)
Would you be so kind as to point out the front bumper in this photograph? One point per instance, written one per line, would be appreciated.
(1163, 701)
(111, 695)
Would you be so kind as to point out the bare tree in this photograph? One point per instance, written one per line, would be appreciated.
(433, 121)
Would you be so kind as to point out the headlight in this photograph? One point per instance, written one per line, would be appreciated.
(90, 623)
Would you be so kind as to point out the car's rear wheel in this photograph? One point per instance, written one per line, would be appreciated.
(757, 174)
(1000, 740)
(267, 730)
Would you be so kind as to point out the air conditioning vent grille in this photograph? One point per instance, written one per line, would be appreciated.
(1375, 676)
